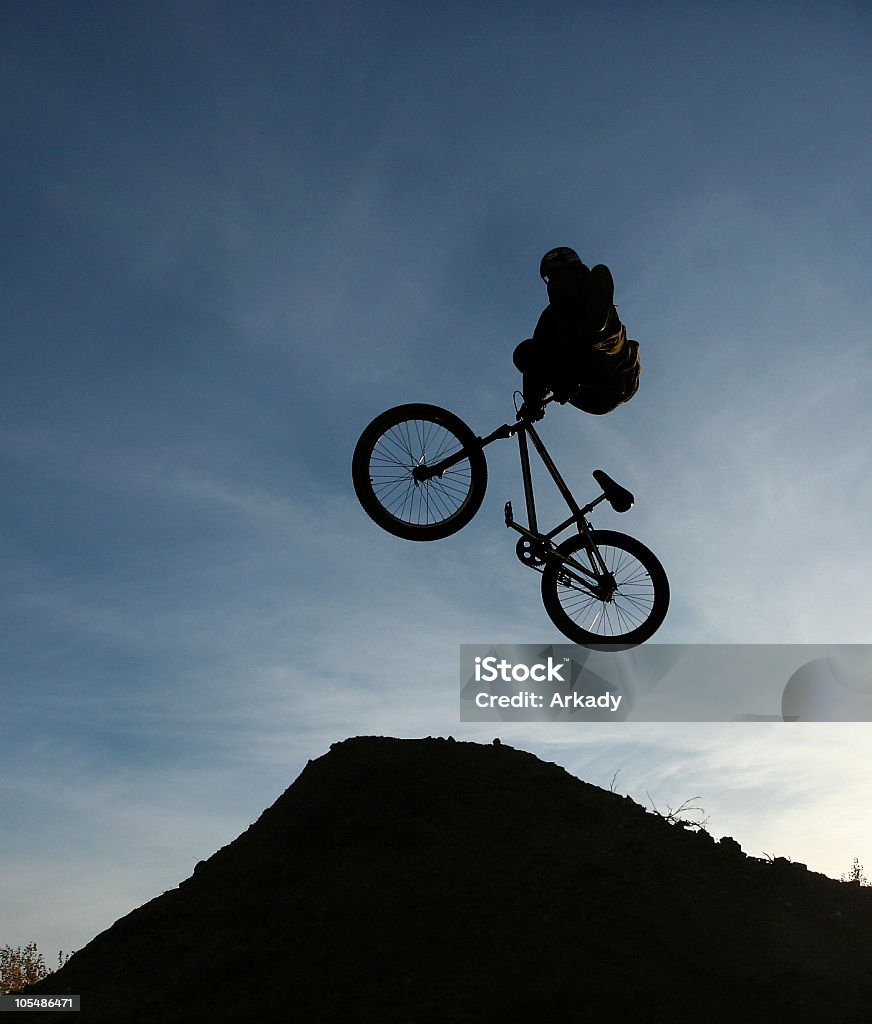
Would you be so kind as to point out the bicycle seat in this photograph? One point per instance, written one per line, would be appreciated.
(618, 497)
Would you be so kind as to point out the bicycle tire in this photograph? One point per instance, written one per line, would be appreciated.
(634, 613)
(395, 443)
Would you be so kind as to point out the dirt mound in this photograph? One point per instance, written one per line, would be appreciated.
(429, 880)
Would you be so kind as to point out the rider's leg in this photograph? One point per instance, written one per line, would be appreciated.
(599, 297)
(528, 358)
(524, 355)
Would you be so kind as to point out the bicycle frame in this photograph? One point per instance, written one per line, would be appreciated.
(601, 582)
(421, 474)
(597, 579)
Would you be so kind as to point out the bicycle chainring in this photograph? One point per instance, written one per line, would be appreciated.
(530, 552)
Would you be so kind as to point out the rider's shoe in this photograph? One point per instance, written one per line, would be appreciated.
(599, 296)
(531, 411)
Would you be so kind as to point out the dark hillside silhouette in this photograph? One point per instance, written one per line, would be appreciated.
(431, 880)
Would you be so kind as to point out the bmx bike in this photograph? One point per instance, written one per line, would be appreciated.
(420, 473)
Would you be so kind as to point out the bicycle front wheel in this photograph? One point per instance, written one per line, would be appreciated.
(626, 606)
(403, 440)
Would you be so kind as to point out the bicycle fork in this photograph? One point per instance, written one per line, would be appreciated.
(423, 472)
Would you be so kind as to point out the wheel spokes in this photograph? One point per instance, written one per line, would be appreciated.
(628, 607)
(402, 449)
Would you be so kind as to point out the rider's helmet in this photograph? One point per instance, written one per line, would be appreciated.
(560, 263)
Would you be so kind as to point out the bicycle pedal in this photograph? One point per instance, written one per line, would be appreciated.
(509, 517)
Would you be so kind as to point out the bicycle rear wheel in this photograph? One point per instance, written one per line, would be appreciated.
(629, 615)
(400, 441)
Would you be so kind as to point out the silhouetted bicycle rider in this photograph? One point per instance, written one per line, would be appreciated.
(579, 349)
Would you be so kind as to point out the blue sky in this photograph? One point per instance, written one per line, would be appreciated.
(232, 234)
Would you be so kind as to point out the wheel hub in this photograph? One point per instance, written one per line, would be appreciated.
(606, 588)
